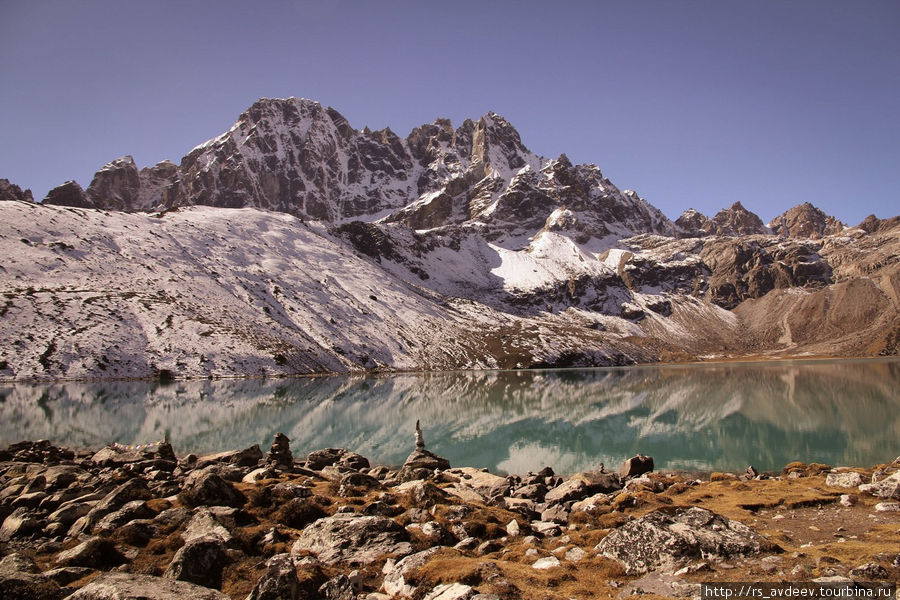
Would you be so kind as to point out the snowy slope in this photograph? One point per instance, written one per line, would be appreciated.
(208, 291)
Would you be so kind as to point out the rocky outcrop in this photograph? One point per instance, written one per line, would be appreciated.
(669, 537)
(805, 221)
(353, 539)
(116, 186)
(69, 194)
(10, 192)
(691, 223)
(735, 221)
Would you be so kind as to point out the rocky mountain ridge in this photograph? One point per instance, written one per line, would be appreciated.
(292, 232)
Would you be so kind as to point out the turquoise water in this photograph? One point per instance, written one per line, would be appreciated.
(707, 417)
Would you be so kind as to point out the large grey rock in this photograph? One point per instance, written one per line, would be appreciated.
(279, 582)
(199, 561)
(574, 489)
(325, 457)
(20, 579)
(669, 536)
(845, 480)
(451, 591)
(60, 476)
(248, 457)
(17, 563)
(203, 523)
(357, 484)
(205, 487)
(131, 490)
(395, 583)
(136, 509)
(95, 553)
(131, 586)
(19, 523)
(485, 486)
(889, 487)
(354, 539)
(338, 588)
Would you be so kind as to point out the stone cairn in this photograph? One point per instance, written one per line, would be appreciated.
(280, 453)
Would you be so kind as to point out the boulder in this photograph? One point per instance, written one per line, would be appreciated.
(131, 586)
(60, 476)
(888, 488)
(451, 591)
(95, 553)
(199, 561)
(354, 539)
(673, 535)
(357, 484)
(248, 457)
(69, 512)
(205, 487)
(203, 523)
(423, 493)
(870, 571)
(136, 509)
(324, 458)
(19, 523)
(17, 563)
(636, 465)
(486, 486)
(395, 583)
(845, 480)
(338, 588)
(571, 490)
(279, 582)
(546, 563)
(354, 461)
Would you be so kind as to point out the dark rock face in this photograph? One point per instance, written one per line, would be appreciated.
(116, 186)
(735, 221)
(805, 221)
(353, 539)
(69, 194)
(10, 192)
(742, 269)
(670, 536)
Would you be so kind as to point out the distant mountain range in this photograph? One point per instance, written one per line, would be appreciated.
(294, 243)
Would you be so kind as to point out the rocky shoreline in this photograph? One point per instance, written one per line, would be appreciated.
(145, 523)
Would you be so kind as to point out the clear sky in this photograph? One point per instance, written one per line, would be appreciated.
(694, 103)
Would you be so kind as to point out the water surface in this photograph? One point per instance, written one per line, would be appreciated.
(708, 417)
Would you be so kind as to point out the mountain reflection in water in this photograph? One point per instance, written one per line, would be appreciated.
(709, 417)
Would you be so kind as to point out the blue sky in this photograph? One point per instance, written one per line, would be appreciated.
(692, 103)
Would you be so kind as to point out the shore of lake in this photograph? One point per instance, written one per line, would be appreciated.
(146, 522)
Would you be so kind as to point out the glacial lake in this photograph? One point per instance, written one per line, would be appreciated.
(703, 417)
